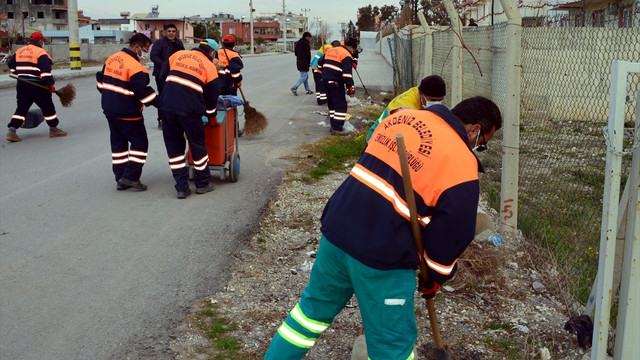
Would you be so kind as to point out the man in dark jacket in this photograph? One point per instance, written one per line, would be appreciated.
(160, 52)
(303, 55)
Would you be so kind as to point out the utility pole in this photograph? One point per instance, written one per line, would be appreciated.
(251, 10)
(284, 27)
(306, 20)
(75, 62)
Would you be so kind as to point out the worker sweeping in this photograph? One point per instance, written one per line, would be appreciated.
(230, 76)
(32, 63)
(431, 91)
(367, 245)
(316, 69)
(337, 65)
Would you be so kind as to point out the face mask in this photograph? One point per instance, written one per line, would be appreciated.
(142, 55)
(429, 103)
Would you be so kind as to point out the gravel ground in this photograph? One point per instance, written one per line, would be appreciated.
(498, 306)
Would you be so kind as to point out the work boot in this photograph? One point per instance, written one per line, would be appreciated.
(184, 194)
(294, 91)
(205, 189)
(57, 133)
(135, 185)
(13, 137)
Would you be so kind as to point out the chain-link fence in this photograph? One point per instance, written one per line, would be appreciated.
(565, 81)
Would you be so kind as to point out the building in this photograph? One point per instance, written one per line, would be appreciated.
(594, 13)
(269, 31)
(598, 13)
(154, 27)
(26, 16)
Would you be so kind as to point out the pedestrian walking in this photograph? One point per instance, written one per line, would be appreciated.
(302, 50)
(431, 91)
(337, 66)
(124, 85)
(191, 91)
(230, 75)
(33, 63)
(367, 246)
(162, 48)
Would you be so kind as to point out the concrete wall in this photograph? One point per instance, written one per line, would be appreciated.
(92, 52)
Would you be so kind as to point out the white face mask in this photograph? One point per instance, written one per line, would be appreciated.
(429, 103)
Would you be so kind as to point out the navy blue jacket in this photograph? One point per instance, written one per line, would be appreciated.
(160, 53)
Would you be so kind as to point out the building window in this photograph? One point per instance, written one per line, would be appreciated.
(40, 14)
(597, 18)
(25, 15)
(146, 26)
(10, 15)
(9, 2)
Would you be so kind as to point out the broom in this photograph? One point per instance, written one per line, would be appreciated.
(67, 94)
(441, 352)
(254, 121)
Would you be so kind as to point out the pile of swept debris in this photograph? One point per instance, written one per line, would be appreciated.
(496, 307)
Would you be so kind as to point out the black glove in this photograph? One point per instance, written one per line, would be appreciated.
(351, 90)
(428, 289)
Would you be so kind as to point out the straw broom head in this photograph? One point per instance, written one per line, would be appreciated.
(67, 94)
(255, 121)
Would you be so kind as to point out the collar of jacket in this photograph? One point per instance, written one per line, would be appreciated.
(33, 42)
(446, 114)
(204, 52)
(131, 53)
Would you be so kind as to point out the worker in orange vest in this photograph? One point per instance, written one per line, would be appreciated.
(231, 78)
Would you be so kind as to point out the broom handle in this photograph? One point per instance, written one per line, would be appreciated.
(417, 235)
(30, 82)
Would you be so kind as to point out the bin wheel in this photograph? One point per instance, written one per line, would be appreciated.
(234, 167)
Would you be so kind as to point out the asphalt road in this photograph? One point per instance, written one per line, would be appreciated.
(88, 272)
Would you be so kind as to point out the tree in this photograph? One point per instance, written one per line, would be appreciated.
(387, 11)
(434, 12)
(259, 40)
(367, 21)
(206, 30)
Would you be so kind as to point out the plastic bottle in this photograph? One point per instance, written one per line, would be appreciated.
(496, 239)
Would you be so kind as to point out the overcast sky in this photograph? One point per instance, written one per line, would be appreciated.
(331, 11)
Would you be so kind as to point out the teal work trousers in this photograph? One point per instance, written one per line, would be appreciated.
(385, 299)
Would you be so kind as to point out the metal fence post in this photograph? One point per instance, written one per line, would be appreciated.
(611, 196)
(628, 328)
(511, 133)
(428, 45)
(456, 53)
